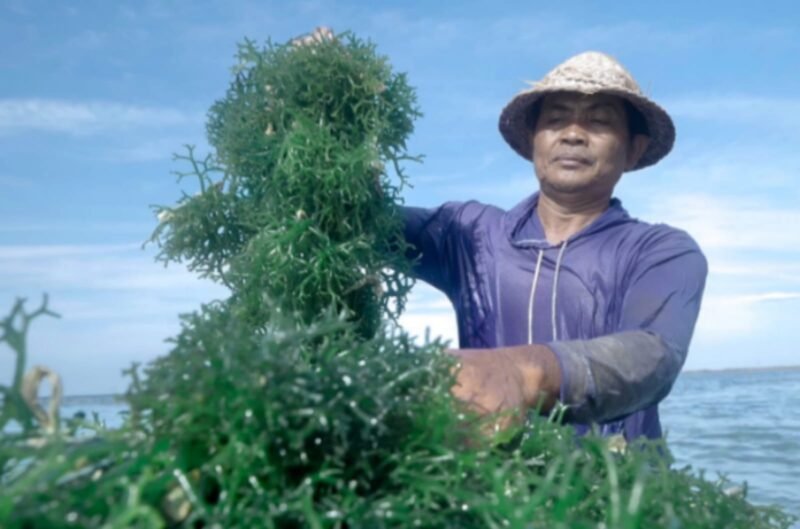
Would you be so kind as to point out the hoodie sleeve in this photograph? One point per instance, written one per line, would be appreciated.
(612, 376)
(430, 234)
(441, 251)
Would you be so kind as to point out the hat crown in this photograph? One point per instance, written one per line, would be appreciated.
(589, 72)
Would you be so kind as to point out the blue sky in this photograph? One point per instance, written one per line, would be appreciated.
(95, 96)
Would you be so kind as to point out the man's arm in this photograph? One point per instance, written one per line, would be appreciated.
(433, 238)
(611, 376)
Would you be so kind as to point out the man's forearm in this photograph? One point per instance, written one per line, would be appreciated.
(612, 376)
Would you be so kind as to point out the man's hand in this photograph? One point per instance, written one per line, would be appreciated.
(320, 34)
(507, 381)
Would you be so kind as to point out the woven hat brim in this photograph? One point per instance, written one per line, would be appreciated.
(515, 127)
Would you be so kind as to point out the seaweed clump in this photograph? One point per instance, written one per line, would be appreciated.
(293, 403)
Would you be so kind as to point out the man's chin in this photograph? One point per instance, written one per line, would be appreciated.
(567, 185)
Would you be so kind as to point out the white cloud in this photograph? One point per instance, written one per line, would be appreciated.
(730, 223)
(91, 360)
(117, 306)
(737, 108)
(98, 268)
(742, 167)
(85, 117)
(727, 317)
(767, 297)
(421, 325)
(25, 252)
(153, 150)
(429, 312)
(426, 298)
(754, 268)
(786, 271)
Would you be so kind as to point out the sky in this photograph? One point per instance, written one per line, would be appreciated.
(95, 97)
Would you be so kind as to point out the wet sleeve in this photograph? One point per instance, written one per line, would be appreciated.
(612, 376)
(432, 234)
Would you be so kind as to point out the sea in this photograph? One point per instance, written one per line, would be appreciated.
(741, 425)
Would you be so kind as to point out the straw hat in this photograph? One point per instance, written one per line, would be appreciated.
(588, 73)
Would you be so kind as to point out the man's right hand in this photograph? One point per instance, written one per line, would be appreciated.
(320, 34)
(507, 381)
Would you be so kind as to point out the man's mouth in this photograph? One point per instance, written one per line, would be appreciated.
(571, 162)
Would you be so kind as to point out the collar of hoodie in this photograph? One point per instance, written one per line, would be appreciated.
(525, 230)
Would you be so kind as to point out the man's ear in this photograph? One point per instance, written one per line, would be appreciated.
(638, 145)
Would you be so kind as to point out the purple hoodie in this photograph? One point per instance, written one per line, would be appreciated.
(617, 302)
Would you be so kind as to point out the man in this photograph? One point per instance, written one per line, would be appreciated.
(566, 297)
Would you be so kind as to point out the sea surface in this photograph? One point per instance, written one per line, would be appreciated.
(744, 425)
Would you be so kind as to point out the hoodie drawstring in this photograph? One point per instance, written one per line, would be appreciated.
(533, 291)
(555, 290)
(554, 298)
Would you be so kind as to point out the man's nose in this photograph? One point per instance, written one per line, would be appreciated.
(574, 134)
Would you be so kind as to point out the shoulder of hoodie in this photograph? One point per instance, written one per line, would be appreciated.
(642, 235)
(643, 238)
(472, 213)
(661, 242)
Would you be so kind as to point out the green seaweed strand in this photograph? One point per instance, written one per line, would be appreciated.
(294, 403)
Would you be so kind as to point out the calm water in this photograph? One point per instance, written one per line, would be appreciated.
(745, 425)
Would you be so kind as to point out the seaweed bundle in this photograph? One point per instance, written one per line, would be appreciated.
(293, 403)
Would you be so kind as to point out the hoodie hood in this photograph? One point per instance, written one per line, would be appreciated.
(523, 228)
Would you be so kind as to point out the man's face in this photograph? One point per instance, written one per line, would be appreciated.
(581, 144)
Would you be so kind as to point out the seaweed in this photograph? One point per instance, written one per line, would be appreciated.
(296, 402)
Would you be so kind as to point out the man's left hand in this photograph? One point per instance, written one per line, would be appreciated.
(507, 381)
